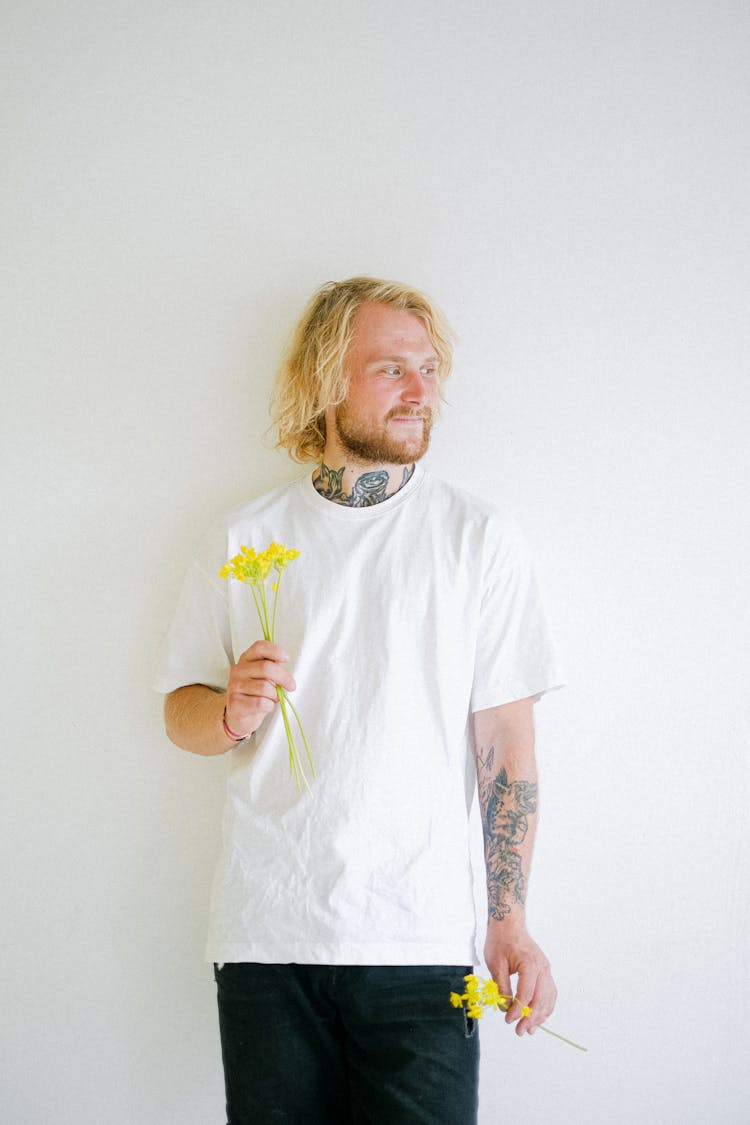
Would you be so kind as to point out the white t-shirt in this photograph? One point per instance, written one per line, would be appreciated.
(401, 619)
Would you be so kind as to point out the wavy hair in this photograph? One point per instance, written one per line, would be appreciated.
(312, 375)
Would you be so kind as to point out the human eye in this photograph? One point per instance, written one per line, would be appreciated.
(392, 372)
(428, 370)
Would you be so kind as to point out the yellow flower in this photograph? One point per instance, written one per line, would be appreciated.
(278, 556)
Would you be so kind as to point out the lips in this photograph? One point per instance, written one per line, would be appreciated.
(422, 417)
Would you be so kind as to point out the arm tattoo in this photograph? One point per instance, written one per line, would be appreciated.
(506, 807)
(369, 488)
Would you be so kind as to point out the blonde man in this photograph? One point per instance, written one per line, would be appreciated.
(342, 918)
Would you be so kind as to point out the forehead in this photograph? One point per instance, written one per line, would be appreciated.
(380, 330)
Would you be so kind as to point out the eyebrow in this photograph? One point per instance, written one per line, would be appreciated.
(402, 359)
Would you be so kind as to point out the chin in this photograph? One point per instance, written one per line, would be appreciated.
(407, 457)
(409, 449)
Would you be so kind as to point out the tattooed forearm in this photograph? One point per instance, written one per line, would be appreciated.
(368, 489)
(506, 807)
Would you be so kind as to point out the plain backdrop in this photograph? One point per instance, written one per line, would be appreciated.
(570, 182)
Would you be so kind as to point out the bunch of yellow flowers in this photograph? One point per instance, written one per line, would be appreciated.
(481, 994)
(253, 568)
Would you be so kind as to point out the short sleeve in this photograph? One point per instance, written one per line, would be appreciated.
(515, 654)
(197, 648)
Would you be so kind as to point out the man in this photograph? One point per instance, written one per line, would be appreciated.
(342, 918)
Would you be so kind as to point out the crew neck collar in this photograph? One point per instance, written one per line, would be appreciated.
(333, 510)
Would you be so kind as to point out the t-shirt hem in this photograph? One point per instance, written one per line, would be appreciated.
(345, 953)
(482, 701)
(164, 685)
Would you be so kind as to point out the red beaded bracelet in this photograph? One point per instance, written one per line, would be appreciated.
(230, 733)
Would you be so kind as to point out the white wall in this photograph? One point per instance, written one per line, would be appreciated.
(569, 180)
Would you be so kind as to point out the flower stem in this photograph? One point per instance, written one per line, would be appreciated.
(264, 619)
(557, 1035)
(295, 765)
(275, 603)
(259, 607)
(304, 737)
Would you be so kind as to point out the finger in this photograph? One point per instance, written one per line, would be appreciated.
(246, 717)
(251, 692)
(251, 673)
(500, 973)
(524, 996)
(252, 699)
(247, 707)
(265, 650)
(542, 1004)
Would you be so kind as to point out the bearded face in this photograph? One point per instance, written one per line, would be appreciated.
(399, 437)
(388, 411)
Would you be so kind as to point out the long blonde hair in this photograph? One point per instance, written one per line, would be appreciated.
(312, 375)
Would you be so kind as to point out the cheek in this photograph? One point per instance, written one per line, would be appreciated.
(378, 401)
(367, 399)
(431, 395)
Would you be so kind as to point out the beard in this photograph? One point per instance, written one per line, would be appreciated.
(379, 446)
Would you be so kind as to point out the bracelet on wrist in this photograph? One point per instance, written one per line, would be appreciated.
(229, 732)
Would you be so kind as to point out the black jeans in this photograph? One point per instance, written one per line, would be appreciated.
(346, 1045)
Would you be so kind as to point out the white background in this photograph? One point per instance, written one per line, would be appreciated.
(570, 182)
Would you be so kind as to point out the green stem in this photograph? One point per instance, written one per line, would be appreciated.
(295, 765)
(288, 729)
(258, 606)
(304, 737)
(258, 590)
(264, 621)
(558, 1036)
(275, 603)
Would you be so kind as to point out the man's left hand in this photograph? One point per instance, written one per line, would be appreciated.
(510, 949)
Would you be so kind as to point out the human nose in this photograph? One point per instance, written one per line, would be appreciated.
(417, 388)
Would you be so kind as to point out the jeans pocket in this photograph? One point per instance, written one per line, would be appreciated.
(470, 1026)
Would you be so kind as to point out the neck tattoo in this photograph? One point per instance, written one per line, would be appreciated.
(368, 489)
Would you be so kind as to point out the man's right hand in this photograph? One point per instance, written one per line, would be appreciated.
(251, 691)
(193, 714)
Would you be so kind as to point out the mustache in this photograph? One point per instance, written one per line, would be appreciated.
(425, 413)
